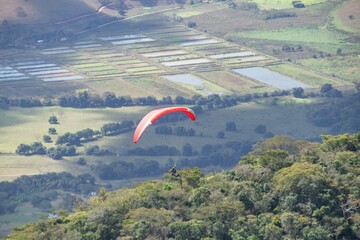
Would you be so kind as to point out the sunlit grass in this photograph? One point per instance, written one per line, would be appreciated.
(283, 4)
(320, 39)
(345, 67)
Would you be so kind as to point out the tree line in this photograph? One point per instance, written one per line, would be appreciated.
(85, 99)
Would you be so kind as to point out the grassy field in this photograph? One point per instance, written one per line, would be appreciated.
(283, 4)
(26, 125)
(341, 16)
(21, 125)
(345, 67)
(321, 39)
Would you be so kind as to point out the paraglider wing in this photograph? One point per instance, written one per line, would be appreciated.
(154, 115)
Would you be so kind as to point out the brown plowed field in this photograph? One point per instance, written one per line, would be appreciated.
(351, 8)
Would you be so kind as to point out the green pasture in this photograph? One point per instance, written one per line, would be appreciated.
(137, 86)
(283, 4)
(188, 14)
(13, 166)
(26, 125)
(337, 21)
(344, 67)
(157, 86)
(320, 39)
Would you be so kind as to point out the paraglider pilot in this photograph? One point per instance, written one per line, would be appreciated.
(173, 172)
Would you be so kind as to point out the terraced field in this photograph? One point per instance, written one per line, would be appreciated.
(120, 61)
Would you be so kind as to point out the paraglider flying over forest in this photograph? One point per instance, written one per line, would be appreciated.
(154, 115)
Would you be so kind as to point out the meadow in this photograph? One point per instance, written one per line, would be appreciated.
(22, 125)
(321, 39)
(345, 67)
(283, 4)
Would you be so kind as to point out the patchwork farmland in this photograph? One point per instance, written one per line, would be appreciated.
(132, 60)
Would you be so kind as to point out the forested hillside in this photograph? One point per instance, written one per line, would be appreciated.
(283, 189)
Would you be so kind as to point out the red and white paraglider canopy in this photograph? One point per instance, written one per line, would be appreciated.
(154, 115)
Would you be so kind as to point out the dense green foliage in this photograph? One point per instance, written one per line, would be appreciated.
(283, 189)
(342, 114)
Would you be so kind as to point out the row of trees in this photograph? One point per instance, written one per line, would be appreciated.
(79, 137)
(111, 129)
(84, 99)
(178, 131)
(38, 148)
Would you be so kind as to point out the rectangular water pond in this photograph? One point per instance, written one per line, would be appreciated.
(111, 38)
(271, 78)
(199, 42)
(131, 41)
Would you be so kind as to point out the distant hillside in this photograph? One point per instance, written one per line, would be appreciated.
(52, 11)
(40, 11)
(282, 190)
